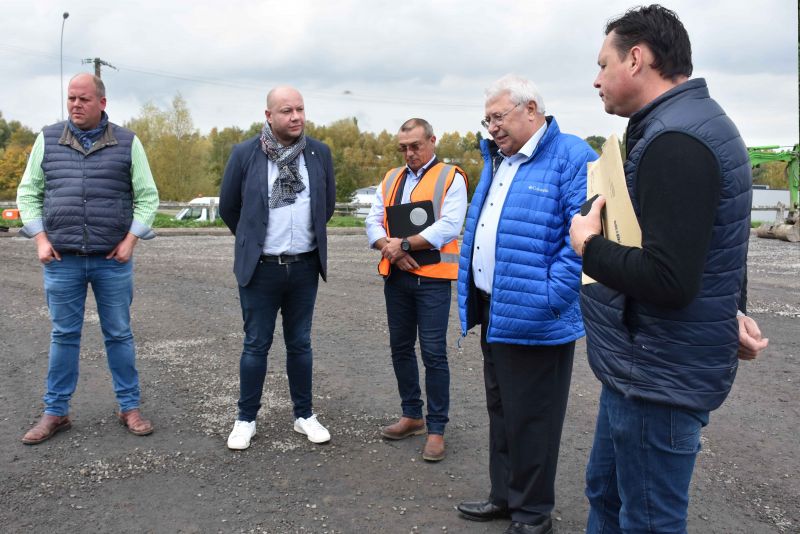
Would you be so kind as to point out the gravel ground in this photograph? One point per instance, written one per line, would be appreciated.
(99, 478)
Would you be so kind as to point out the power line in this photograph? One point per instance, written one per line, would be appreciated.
(98, 63)
(347, 95)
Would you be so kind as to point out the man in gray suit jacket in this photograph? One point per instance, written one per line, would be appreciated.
(277, 195)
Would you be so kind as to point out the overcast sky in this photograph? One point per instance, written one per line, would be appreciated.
(382, 61)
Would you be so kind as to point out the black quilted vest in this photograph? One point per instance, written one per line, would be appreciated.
(88, 197)
(680, 357)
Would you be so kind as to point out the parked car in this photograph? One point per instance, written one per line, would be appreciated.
(202, 209)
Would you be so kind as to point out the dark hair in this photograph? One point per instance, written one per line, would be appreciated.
(663, 33)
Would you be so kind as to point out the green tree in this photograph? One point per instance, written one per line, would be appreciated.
(177, 153)
(14, 132)
(12, 165)
(221, 145)
(772, 174)
(5, 131)
(596, 142)
(357, 156)
(16, 142)
(449, 147)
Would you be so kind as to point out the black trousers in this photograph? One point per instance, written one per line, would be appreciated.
(527, 388)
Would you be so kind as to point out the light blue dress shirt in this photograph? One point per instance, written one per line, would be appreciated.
(289, 230)
(486, 229)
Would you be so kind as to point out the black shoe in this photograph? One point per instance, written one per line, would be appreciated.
(482, 511)
(545, 527)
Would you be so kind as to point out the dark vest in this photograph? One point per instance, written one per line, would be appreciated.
(681, 357)
(88, 197)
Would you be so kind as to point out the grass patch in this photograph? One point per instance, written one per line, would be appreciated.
(11, 223)
(345, 221)
(167, 221)
(163, 220)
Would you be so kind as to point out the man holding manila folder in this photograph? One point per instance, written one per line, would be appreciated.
(665, 320)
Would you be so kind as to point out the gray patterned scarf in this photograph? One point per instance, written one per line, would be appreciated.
(289, 181)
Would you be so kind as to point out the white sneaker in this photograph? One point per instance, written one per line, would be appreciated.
(312, 428)
(241, 434)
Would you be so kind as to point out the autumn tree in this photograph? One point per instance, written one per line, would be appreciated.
(596, 142)
(177, 153)
(12, 166)
(221, 144)
(772, 174)
(16, 142)
(359, 158)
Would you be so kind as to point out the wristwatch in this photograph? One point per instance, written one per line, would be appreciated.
(405, 245)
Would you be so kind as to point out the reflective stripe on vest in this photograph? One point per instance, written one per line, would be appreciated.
(389, 182)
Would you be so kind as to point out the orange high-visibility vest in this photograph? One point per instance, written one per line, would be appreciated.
(433, 186)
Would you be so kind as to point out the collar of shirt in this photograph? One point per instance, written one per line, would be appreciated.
(527, 149)
(421, 170)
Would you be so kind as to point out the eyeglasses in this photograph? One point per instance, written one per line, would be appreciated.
(413, 147)
(497, 118)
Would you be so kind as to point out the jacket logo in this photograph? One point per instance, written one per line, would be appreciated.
(538, 189)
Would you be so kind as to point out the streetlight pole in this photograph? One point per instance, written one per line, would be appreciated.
(63, 21)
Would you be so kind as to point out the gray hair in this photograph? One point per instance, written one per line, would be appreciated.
(410, 124)
(520, 90)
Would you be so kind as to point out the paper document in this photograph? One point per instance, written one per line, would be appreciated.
(607, 177)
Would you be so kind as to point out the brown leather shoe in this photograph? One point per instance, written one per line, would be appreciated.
(46, 428)
(433, 451)
(404, 428)
(135, 423)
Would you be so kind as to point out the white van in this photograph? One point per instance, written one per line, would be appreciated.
(201, 209)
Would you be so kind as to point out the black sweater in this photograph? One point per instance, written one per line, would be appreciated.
(678, 188)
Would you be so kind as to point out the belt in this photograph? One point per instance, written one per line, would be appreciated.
(81, 253)
(287, 258)
(483, 295)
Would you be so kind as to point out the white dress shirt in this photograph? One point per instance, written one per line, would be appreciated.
(289, 229)
(444, 230)
(486, 229)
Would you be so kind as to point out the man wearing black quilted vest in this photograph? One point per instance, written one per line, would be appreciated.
(87, 196)
(664, 322)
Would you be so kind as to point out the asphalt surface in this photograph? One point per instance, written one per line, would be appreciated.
(97, 477)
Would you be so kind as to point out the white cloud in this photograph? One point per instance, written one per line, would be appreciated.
(416, 58)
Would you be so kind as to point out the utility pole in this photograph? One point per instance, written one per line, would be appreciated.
(97, 64)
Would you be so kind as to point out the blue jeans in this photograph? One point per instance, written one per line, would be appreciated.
(65, 286)
(420, 306)
(642, 459)
(292, 289)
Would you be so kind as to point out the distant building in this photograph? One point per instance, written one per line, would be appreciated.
(365, 195)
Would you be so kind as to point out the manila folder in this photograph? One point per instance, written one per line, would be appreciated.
(606, 177)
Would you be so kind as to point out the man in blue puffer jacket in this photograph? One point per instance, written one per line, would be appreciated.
(519, 279)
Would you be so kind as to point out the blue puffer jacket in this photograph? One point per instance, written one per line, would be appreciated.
(680, 357)
(537, 275)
